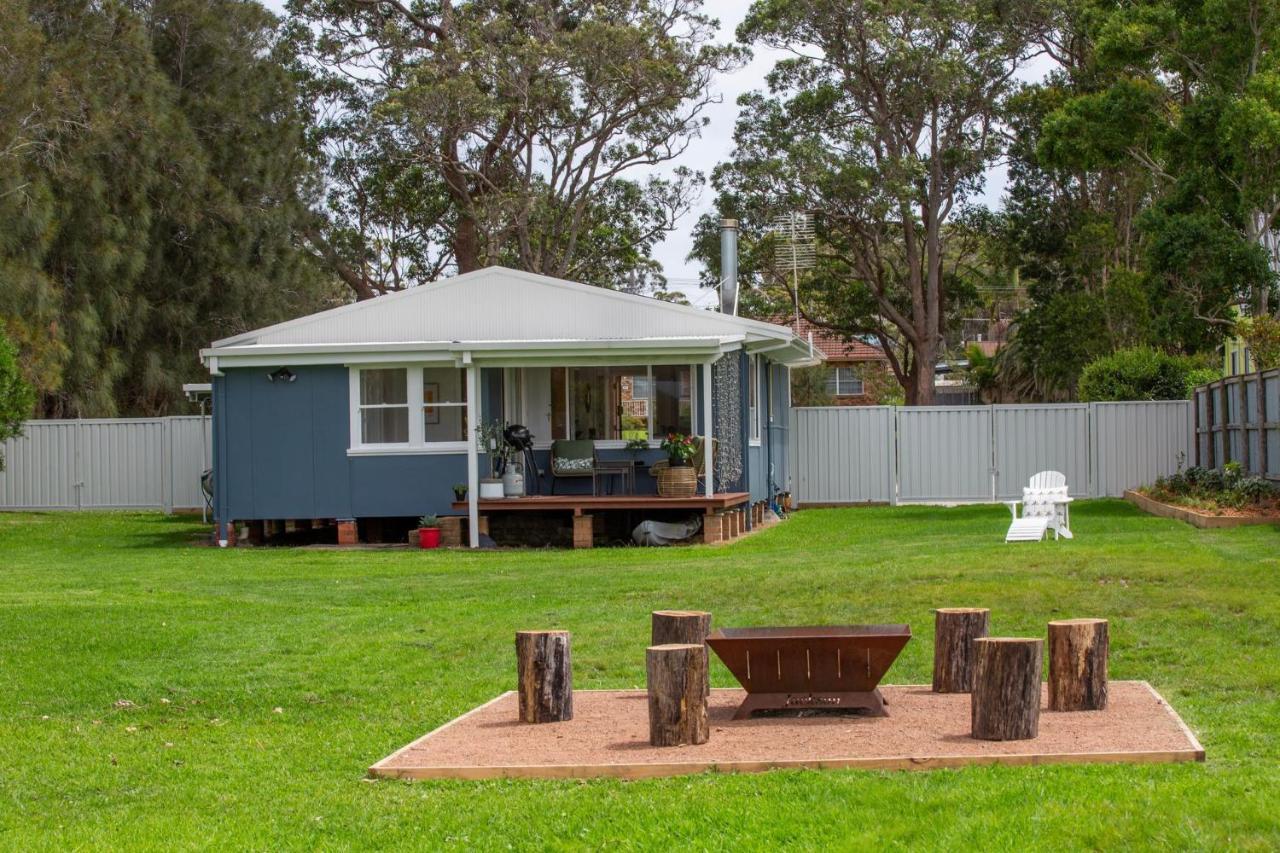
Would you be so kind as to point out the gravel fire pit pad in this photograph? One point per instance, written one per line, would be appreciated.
(609, 736)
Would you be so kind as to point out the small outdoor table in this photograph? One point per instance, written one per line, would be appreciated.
(610, 468)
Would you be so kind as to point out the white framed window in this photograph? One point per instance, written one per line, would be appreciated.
(844, 382)
(409, 409)
(753, 396)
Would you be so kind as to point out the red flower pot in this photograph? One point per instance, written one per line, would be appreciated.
(429, 537)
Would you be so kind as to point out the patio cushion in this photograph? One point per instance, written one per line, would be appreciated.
(573, 457)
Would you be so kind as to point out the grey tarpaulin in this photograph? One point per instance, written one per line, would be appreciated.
(665, 532)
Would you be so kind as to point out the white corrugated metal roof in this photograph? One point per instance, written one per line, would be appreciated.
(499, 307)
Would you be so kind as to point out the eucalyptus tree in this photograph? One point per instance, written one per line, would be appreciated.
(880, 123)
(1193, 97)
(494, 132)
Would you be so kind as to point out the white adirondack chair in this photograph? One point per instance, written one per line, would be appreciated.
(1045, 506)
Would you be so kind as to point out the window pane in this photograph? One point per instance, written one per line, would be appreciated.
(753, 391)
(444, 385)
(559, 413)
(588, 391)
(673, 400)
(384, 385)
(444, 423)
(385, 426)
(833, 380)
(629, 389)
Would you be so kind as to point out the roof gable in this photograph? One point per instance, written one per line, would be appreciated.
(500, 304)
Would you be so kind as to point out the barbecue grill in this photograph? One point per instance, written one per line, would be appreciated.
(827, 667)
(521, 440)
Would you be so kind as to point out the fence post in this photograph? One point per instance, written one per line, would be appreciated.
(1260, 396)
(166, 465)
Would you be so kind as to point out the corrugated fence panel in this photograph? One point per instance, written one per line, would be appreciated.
(40, 467)
(122, 464)
(944, 453)
(191, 446)
(1031, 439)
(127, 463)
(842, 454)
(1134, 443)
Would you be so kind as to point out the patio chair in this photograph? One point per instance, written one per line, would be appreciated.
(571, 459)
(1045, 506)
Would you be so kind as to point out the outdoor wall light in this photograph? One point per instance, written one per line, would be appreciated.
(283, 374)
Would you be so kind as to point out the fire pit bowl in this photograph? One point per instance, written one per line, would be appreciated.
(832, 667)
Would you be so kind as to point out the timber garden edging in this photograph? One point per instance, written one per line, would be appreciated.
(1203, 520)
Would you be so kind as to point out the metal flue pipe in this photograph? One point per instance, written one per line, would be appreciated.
(728, 266)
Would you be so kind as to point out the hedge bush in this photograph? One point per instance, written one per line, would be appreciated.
(1142, 373)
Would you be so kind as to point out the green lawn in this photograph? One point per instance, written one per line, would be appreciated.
(263, 682)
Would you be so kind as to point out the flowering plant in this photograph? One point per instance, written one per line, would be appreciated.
(679, 448)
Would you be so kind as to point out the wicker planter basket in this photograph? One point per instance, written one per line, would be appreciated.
(677, 482)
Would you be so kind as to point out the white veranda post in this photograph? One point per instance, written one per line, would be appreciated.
(709, 446)
(473, 453)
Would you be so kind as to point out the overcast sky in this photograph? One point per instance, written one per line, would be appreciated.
(716, 145)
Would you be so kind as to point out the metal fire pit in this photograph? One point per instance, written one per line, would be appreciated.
(832, 667)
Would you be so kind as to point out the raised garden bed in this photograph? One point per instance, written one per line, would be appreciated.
(1223, 517)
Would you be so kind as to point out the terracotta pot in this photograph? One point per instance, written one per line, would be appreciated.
(428, 537)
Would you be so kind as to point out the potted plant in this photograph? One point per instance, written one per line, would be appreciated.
(680, 449)
(459, 492)
(677, 478)
(636, 446)
(489, 437)
(429, 532)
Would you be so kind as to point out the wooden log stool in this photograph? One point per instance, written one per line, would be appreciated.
(679, 626)
(677, 678)
(954, 630)
(1005, 701)
(545, 676)
(1078, 650)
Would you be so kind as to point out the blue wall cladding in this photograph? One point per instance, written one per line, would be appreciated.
(281, 449)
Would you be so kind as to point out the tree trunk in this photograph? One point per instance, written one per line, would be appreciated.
(677, 674)
(955, 629)
(924, 374)
(1078, 650)
(545, 676)
(1005, 703)
(680, 626)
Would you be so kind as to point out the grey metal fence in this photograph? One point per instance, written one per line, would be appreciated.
(1237, 419)
(123, 463)
(957, 454)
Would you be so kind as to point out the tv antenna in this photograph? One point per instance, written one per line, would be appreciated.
(794, 250)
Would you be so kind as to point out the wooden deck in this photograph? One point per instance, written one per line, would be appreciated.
(582, 504)
(582, 507)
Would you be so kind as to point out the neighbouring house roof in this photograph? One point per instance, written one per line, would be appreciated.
(503, 315)
(830, 345)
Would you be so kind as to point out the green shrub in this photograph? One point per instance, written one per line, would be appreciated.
(1140, 373)
(17, 397)
(1253, 490)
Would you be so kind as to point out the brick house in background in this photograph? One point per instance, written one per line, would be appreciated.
(848, 363)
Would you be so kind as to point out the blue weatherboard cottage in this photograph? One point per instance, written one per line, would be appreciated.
(369, 411)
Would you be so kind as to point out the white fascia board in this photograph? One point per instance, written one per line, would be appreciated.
(561, 352)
